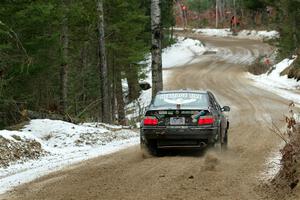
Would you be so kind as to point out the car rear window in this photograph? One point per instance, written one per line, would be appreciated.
(184, 99)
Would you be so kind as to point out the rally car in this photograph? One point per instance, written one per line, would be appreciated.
(184, 119)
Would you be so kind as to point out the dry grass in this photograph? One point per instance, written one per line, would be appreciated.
(18, 127)
(258, 67)
(292, 72)
(286, 181)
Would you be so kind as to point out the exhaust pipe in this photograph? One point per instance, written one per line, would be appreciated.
(203, 144)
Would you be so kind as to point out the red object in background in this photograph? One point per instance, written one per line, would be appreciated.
(267, 61)
(234, 20)
(183, 7)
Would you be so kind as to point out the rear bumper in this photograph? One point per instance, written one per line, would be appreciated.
(185, 137)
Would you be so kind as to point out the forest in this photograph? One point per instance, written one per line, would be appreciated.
(49, 56)
(50, 51)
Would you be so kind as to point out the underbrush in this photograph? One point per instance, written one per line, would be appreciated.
(286, 183)
(258, 67)
(18, 149)
(293, 71)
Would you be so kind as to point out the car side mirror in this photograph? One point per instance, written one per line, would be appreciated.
(226, 109)
(145, 85)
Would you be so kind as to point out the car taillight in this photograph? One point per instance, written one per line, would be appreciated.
(150, 121)
(206, 120)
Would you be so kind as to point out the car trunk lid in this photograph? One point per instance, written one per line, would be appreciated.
(186, 117)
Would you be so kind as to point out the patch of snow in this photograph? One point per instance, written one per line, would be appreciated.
(243, 34)
(280, 85)
(185, 51)
(103, 125)
(273, 164)
(178, 29)
(66, 144)
(253, 34)
(214, 32)
(297, 117)
(8, 135)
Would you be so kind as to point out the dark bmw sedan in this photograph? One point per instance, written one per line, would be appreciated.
(184, 119)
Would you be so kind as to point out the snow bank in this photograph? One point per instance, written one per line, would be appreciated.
(280, 85)
(274, 78)
(65, 144)
(214, 32)
(243, 34)
(17, 147)
(258, 35)
(185, 51)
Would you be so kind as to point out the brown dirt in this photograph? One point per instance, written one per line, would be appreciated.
(292, 71)
(258, 67)
(211, 175)
(19, 150)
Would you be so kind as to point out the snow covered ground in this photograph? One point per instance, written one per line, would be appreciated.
(272, 164)
(65, 144)
(280, 85)
(243, 34)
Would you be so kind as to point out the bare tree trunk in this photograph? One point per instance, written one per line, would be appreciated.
(113, 87)
(221, 11)
(294, 19)
(120, 98)
(234, 11)
(105, 92)
(217, 13)
(65, 59)
(133, 82)
(157, 82)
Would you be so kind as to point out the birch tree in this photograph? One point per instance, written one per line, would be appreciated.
(105, 105)
(156, 30)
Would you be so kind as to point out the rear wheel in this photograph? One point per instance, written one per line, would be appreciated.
(225, 141)
(149, 149)
(221, 143)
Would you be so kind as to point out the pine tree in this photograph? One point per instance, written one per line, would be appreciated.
(40, 39)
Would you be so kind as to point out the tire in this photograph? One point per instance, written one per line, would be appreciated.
(221, 144)
(225, 142)
(149, 149)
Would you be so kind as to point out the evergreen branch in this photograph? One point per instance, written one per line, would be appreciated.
(19, 43)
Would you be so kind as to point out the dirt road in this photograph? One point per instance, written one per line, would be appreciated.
(211, 176)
